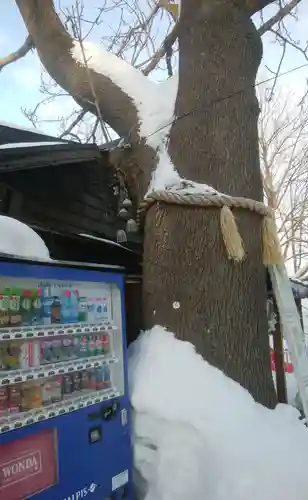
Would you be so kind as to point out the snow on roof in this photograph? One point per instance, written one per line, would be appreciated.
(103, 240)
(200, 435)
(13, 145)
(20, 240)
(25, 129)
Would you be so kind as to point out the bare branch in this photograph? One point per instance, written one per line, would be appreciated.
(21, 52)
(279, 16)
(169, 41)
(290, 42)
(283, 134)
(75, 122)
(54, 45)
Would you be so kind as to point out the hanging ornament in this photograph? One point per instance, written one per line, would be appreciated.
(127, 203)
(124, 213)
(131, 226)
(121, 236)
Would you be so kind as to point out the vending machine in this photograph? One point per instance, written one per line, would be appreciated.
(64, 407)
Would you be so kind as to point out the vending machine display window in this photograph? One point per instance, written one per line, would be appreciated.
(59, 346)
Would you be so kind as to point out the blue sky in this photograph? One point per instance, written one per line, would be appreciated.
(19, 82)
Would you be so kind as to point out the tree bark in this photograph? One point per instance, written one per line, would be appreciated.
(189, 284)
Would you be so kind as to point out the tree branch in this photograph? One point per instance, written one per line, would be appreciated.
(167, 44)
(54, 46)
(75, 122)
(21, 52)
(252, 6)
(290, 42)
(283, 12)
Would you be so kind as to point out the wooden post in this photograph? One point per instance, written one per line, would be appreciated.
(279, 360)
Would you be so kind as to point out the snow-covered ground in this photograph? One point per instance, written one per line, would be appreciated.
(200, 435)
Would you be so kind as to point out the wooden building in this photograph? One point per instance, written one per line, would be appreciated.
(69, 194)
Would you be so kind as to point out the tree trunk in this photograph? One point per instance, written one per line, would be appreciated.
(189, 284)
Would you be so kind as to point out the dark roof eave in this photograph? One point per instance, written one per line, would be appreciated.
(23, 158)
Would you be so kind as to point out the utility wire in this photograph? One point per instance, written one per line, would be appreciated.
(224, 98)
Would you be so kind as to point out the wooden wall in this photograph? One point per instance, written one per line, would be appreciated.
(73, 198)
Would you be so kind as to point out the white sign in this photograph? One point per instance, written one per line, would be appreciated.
(291, 329)
(83, 493)
(119, 480)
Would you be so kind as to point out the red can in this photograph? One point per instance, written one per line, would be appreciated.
(4, 401)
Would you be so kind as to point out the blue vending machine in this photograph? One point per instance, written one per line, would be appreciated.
(64, 406)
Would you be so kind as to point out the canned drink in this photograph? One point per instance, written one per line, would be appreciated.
(100, 384)
(67, 347)
(56, 389)
(12, 355)
(30, 354)
(84, 380)
(67, 384)
(31, 396)
(24, 356)
(3, 355)
(46, 393)
(14, 398)
(46, 351)
(92, 379)
(76, 382)
(99, 344)
(83, 347)
(106, 377)
(57, 350)
(91, 345)
(4, 401)
(106, 343)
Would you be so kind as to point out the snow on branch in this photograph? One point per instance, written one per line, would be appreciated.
(154, 102)
(21, 52)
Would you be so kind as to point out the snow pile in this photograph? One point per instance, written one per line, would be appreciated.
(200, 435)
(20, 240)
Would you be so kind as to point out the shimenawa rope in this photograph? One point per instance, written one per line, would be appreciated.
(230, 233)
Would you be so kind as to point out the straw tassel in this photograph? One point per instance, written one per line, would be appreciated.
(231, 236)
(271, 247)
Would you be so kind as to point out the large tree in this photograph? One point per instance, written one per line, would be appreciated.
(189, 284)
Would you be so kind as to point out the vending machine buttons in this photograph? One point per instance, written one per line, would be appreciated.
(95, 434)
